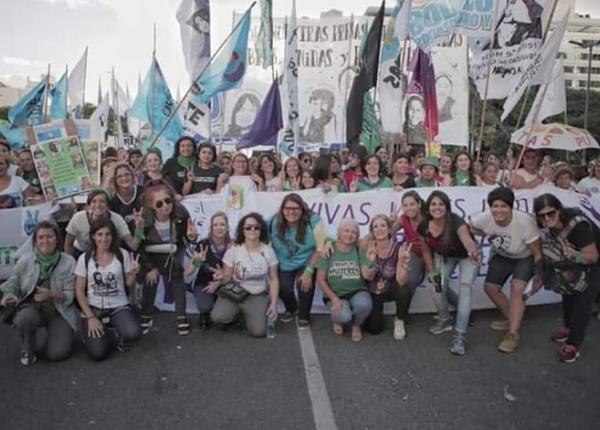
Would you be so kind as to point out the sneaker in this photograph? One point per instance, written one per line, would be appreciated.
(500, 325)
(568, 353)
(561, 335)
(183, 326)
(121, 346)
(399, 330)
(287, 317)
(204, 321)
(146, 323)
(509, 343)
(26, 359)
(302, 324)
(441, 326)
(458, 345)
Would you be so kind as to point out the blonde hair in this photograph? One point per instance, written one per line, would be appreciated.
(345, 223)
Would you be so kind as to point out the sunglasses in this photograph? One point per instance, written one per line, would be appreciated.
(548, 214)
(254, 227)
(159, 204)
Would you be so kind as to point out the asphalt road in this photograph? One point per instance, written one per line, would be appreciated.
(227, 380)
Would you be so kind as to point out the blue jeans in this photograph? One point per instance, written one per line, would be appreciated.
(354, 310)
(467, 274)
(204, 301)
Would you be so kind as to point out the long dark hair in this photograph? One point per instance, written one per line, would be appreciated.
(322, 168)
(381, 166)
(447, 233)
(414, 195)
(453, 169)
(239, 231)
(49, 225)
(104, 223)
(551, 201)
(259, 170)
(303, 222)
(178, 144)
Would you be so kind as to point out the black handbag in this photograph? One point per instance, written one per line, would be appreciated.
(233, 291)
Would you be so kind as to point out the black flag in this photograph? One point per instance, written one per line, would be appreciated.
(366, 78)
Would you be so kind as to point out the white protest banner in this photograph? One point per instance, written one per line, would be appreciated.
(17, 226)
(326, 57)
(333, 207)
(477, 17)
(518, 33)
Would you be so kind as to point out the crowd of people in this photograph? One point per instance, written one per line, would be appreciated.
(133, 232)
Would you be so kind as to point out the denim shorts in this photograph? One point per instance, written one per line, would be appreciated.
(500, 268)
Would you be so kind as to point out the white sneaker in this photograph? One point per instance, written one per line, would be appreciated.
(399, 330)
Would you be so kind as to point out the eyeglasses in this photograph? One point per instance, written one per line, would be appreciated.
(159, 204)
(254, 227)
(545, 215)
(291, 209)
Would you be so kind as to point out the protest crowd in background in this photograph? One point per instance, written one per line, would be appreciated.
(121, 233)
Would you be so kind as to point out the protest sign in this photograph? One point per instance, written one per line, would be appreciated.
(90, 137)
(59, 159)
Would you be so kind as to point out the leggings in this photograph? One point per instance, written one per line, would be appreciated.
(178, 289)
(126, 328)
(59, 342)
(287, 281)
(401, 295)
(577, 308)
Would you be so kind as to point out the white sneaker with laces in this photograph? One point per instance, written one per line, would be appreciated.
(399, 330)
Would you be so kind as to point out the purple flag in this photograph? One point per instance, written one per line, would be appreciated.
(267, 124)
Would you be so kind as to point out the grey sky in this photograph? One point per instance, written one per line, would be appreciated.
(119, 33)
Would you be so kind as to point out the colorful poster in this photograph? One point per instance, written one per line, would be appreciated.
(59, 159)
(90, 136)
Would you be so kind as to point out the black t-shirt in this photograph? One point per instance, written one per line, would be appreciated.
(455, 248)
(409, 182)
(582, 235)
(174, 174)
(214, 258)
(125, 209)
(205, 179)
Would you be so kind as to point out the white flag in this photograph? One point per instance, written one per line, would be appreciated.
(538, 69)
(194, 27)
(291, 134)
(554, 99)
(100, 115)
(401, 20)
(76, 87)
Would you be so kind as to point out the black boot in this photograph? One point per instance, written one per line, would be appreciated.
(204, 321)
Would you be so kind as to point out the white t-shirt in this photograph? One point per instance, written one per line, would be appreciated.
(79, 226)
(272, 184)
(251, 269)
(510, 241)
(12, 170)
(105, 285)
(590, 184)
(12, 196)
(527, 177)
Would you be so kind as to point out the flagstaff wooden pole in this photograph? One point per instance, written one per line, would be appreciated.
(178, 105)
(84, 80)
(67, 89)
(46, 100)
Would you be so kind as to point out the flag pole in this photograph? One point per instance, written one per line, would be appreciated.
(178, 106)
(67, 90)
(528, 91)
(529, 133)
(84, 79)
(46, 100)
(485, 93)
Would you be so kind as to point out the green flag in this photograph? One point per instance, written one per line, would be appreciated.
(370, 137)
(264, 45)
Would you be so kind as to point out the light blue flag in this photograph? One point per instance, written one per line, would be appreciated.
(17, 137)
(154, 104)
(432, 21)
(227, 71)
(30, 109)
(58, 98)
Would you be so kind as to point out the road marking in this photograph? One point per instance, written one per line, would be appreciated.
(319, 399)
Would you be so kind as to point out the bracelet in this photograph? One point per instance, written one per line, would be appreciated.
(578, 259)
(90, 317)
(309, 271)
(197, 263)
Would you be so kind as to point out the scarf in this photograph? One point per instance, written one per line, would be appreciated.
(47, 263)
(462, 178)
(424, 183)
(185, 161)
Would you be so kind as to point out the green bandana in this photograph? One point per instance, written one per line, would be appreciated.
(185, 161)
(424, 183)
(47, 263)
(462, 179)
